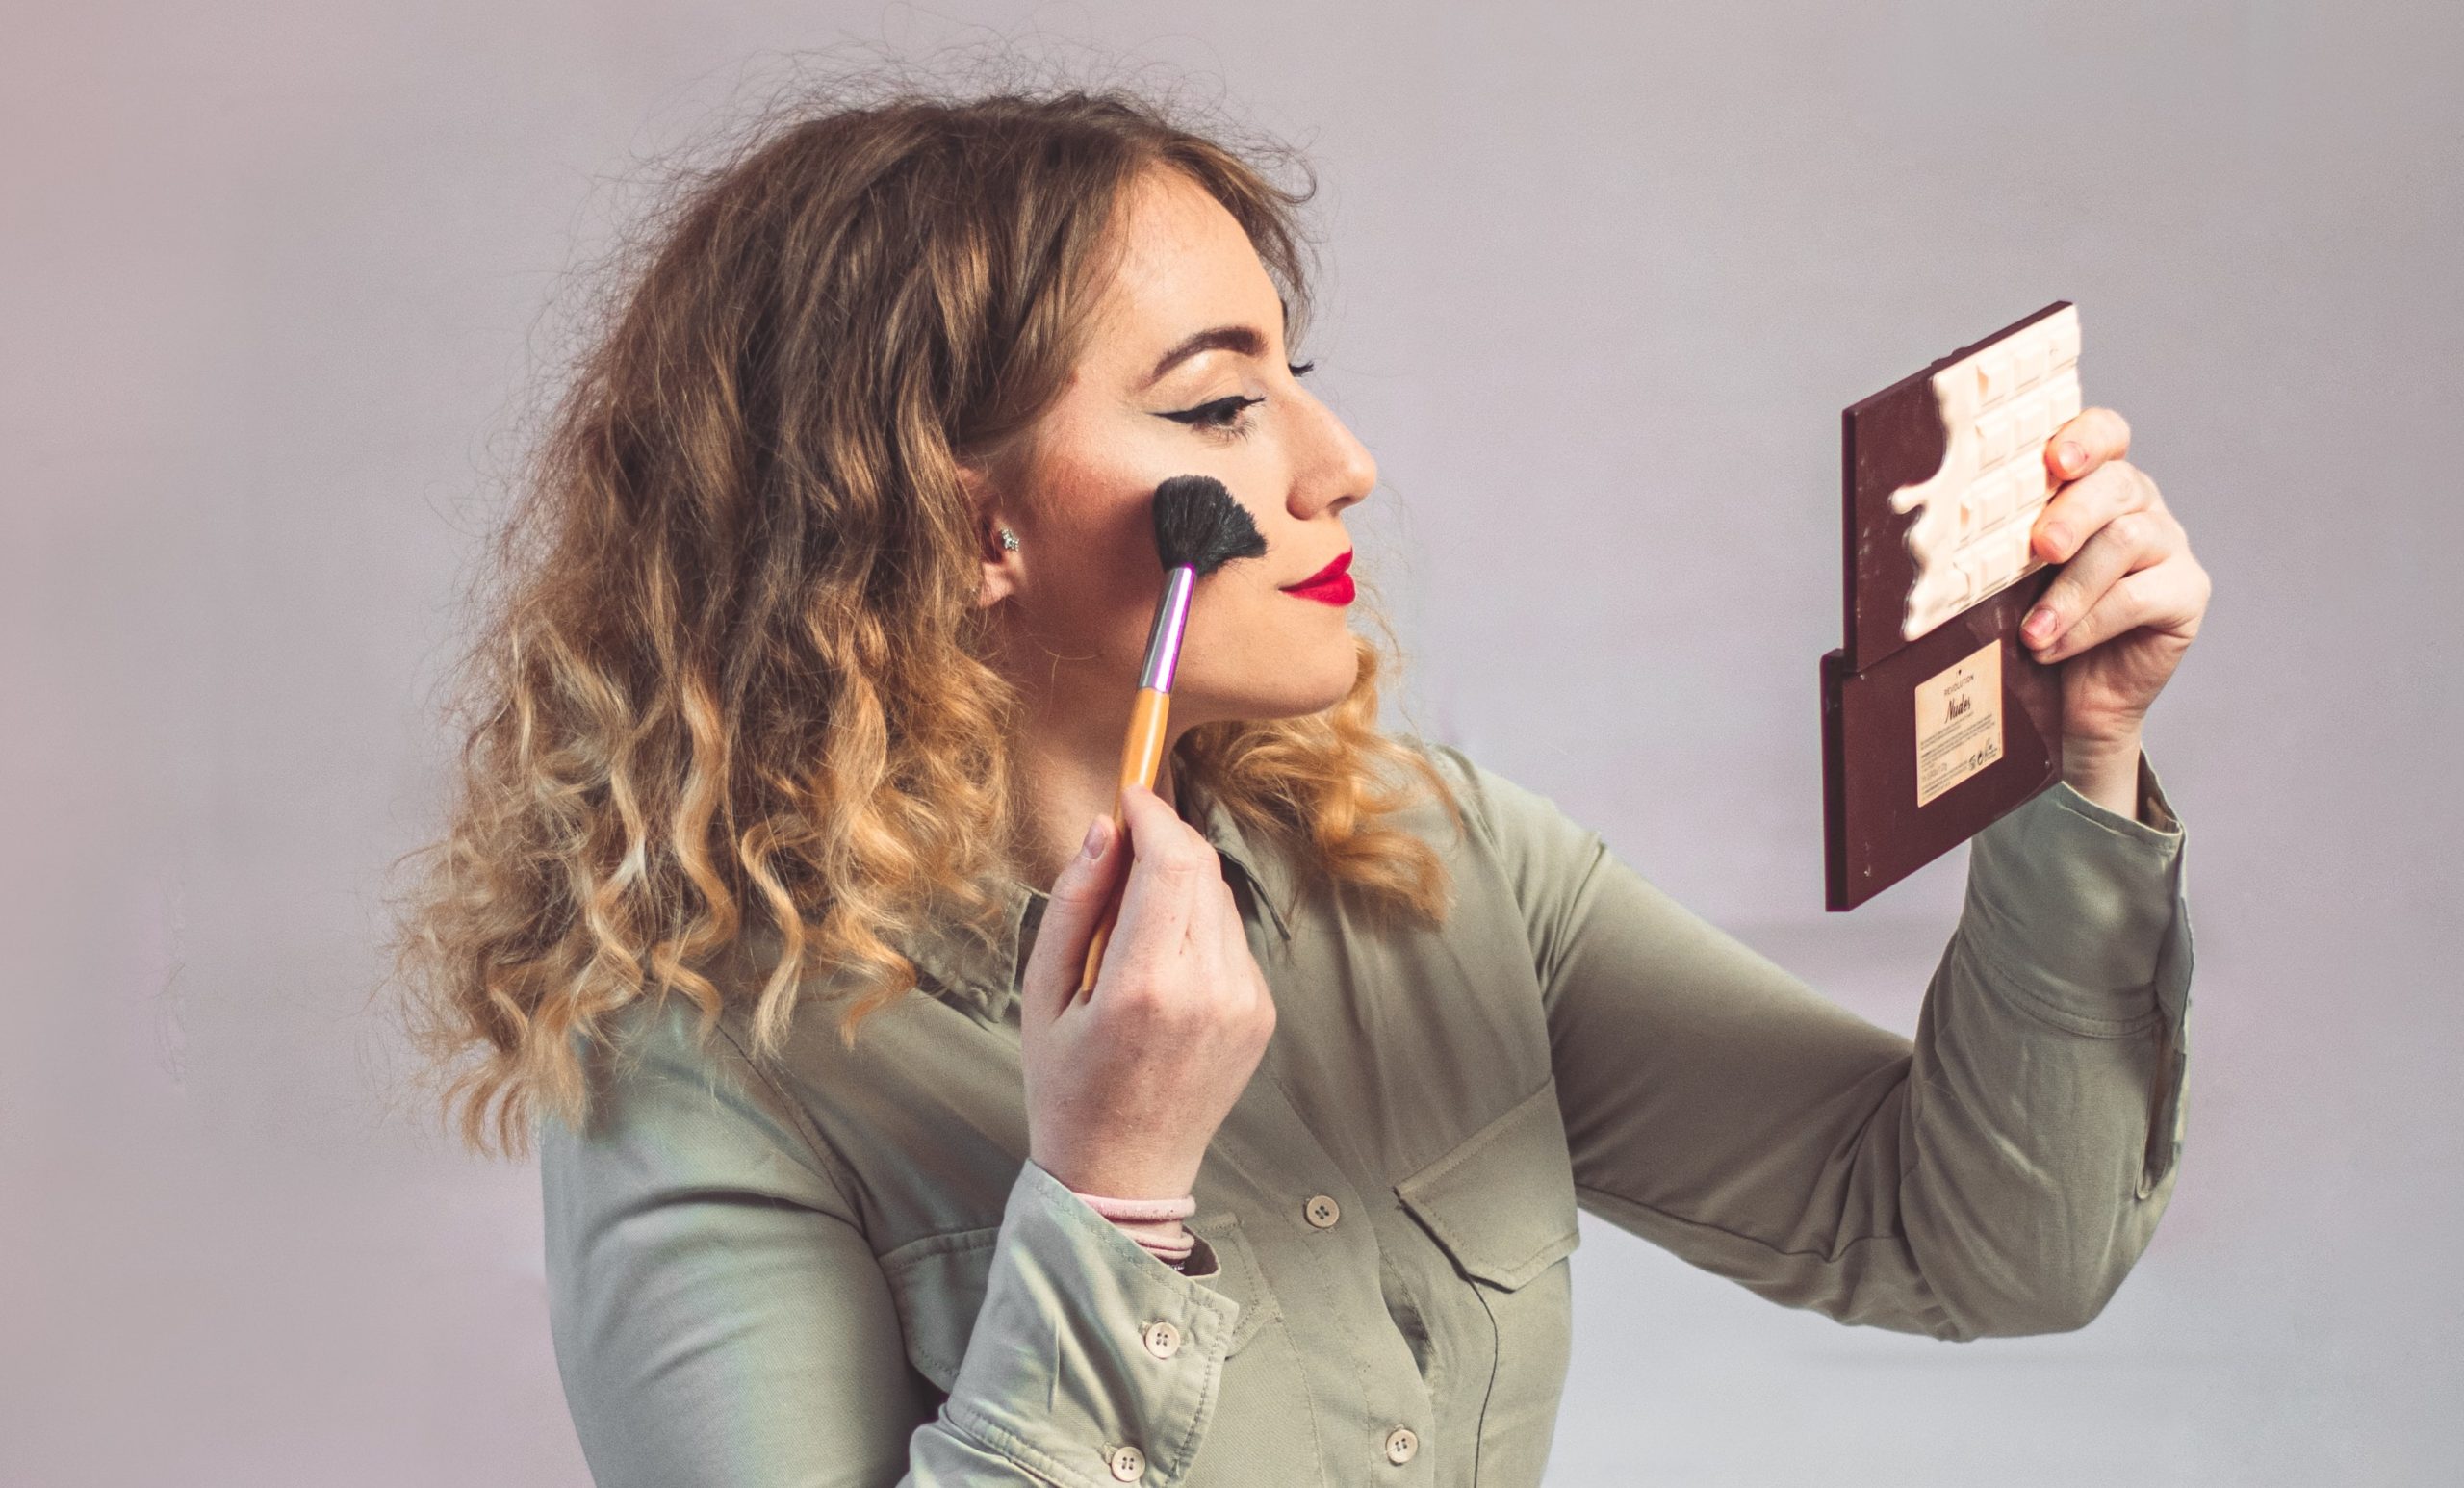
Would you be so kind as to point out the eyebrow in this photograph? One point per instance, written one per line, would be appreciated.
(1243, 339)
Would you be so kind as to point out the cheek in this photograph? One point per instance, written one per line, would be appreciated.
(1247, 638)
(1100, 575)
(1097, 577)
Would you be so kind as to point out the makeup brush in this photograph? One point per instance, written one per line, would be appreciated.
(1198, 529)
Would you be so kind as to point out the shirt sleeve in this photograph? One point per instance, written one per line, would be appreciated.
(720, 1320)
(1998, 1175)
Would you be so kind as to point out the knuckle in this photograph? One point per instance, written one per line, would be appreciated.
(1081, 891)
(1138, 997)
(1179, 846)
(2132, 528)
(1175, 864)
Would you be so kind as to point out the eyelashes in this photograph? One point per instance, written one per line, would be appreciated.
(1228, 415)
(1223, 414)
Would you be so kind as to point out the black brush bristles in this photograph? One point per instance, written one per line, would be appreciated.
(1199, 525)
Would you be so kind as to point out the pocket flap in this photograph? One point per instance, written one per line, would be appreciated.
(1503, 1201)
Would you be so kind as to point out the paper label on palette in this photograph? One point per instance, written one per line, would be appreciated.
(1958, 721)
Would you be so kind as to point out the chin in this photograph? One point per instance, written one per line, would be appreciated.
(1326, 681)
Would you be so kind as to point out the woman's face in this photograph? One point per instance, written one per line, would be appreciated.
(1184, 374)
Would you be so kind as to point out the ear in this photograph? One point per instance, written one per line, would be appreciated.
(1000, 565)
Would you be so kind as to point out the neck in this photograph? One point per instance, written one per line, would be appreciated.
(1067, 758)
(1069, 767)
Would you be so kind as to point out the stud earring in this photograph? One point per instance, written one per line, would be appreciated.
(1008, 541)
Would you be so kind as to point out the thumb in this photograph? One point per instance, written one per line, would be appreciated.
(1076, 901)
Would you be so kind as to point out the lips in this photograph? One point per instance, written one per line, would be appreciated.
(1329, 585)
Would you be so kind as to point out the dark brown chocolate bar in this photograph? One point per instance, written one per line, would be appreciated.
(1935, 719)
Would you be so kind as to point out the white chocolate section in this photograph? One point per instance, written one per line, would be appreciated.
(1974, 515)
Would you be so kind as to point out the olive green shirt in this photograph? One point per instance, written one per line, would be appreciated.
(840, 1270)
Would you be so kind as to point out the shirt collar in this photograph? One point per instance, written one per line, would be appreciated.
(957, 962)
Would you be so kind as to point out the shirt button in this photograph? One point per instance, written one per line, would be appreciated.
(1322, 1211)
(1126, 1463)
(1163, 1339)
(1400, 1445)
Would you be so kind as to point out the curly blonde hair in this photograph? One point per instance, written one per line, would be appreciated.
(732, 676)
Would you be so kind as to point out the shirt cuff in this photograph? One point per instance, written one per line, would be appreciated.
(2075, 905)
(1088, 1349)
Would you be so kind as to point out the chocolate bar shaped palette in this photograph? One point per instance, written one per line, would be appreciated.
(1935, 720)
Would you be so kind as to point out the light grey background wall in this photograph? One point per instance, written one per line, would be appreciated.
(1600, 279)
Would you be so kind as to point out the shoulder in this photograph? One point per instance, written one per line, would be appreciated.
(658, 1070)
(1507, 819)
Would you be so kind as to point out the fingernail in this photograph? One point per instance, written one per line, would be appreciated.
(2070, 455)
(2039, 621)
(2056, 540)
(1095, 838)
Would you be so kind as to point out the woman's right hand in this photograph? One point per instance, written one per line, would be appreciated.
(1125, 1089)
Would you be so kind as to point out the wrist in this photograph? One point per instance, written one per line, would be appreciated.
(2105, 769)
(1128, 1181)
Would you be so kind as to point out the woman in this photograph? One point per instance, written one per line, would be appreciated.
(784, 829)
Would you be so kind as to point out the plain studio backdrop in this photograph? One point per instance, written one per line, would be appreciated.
(277, 278)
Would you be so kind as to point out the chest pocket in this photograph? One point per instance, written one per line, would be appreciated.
(1502, 1203)
(937, 1284)
(1501, 1206)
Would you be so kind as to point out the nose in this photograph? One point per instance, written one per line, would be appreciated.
(1334, 469)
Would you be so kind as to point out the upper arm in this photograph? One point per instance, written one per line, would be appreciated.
(719, 1318)
(1697, 1077)
(1997, 1174)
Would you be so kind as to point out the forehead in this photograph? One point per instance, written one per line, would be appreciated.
(1185, 265)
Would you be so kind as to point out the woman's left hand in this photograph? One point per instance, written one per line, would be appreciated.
(2129, 596)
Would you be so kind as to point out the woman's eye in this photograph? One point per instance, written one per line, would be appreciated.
(1301, 370)
(1222, 413)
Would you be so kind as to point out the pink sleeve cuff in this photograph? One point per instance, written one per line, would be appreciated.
(1153, 1223)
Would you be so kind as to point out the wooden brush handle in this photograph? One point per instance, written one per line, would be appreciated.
(1142, 754)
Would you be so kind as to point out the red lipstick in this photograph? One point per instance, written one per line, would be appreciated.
(1329, 585)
